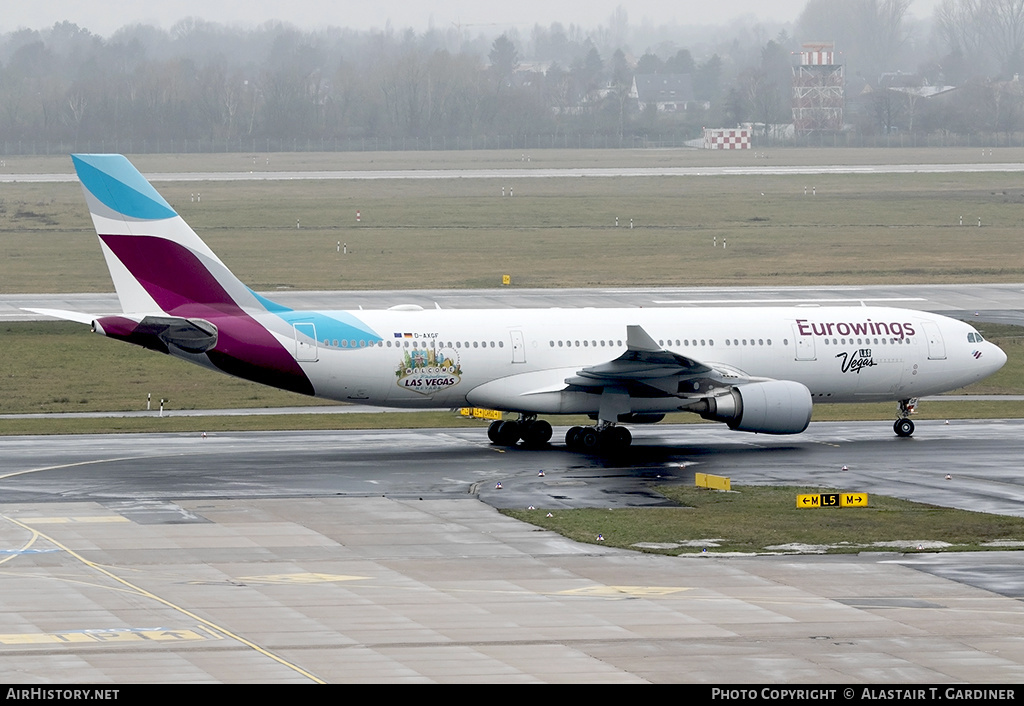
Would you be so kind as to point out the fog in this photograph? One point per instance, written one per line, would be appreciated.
(103, 17)
(231, 78)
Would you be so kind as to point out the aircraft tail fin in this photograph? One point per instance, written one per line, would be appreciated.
(157, 262)
(177, 296)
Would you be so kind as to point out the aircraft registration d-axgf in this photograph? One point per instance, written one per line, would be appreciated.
(757, 369)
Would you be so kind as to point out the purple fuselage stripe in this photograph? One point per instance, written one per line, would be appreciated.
(182, 286)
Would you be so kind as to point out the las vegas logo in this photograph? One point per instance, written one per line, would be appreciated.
(429, 371)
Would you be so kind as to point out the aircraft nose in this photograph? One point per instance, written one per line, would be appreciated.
(999, 356)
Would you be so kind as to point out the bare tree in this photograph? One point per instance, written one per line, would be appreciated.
(987, 32)
(1006, 31)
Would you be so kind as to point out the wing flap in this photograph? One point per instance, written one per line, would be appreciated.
(643, 362)
(646, 369)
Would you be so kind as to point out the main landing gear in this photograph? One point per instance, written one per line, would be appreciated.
(533, 432)
(903, 426)
(608, 438)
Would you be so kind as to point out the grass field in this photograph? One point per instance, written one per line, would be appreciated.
(461, 233)
(756, 519)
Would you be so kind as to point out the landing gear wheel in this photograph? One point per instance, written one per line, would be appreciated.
(614, 439)
(492, 431)
(537, 433)
(572, 437)
(903, 427)
(588, 439)
(507, 433)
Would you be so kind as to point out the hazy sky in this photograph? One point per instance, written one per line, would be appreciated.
(103, 17)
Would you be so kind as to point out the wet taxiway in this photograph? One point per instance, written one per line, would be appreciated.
(369, 556)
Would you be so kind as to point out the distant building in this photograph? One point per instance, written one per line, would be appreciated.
(818, 90)
(667, 92)
(727, 138)
(913, 85)
(901, 98)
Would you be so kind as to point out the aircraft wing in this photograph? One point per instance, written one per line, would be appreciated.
(647, 369)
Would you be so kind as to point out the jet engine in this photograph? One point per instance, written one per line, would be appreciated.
(773, 407)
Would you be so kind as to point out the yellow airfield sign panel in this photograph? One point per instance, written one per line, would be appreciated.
(832, 500)
(479, 413)
(706, 480)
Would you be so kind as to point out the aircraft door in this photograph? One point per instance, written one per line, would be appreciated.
(936, 347)
(305, 343)
(518, 347)
(804, 345)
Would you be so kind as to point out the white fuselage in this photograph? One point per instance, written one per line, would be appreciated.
(519, 359)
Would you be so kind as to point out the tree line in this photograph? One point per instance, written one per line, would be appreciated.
(276, 84)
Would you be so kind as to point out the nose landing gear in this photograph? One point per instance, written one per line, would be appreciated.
(903, 426)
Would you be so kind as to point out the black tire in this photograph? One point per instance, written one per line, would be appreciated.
(508, 433)
(589, 439)
(537, 434)
(615, 439)
(622, 438)
(492, 431)
(572, 437)
(903, 428)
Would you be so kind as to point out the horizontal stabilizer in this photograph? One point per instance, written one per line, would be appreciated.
(76, 316)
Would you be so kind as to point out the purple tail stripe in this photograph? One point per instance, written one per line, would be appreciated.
(171, 274)
(181, 285)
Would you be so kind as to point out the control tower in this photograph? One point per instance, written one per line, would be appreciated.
(818, 90)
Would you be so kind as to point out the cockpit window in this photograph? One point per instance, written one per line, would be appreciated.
(974, 337)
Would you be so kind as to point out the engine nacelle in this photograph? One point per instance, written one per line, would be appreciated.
(774, 407)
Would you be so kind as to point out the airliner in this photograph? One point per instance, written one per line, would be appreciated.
(756, 369)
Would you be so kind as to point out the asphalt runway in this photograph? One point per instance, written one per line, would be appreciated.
(378, 556)
(1003, 303)
(539, 172)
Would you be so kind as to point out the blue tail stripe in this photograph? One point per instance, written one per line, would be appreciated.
(269, 305)
(118, 185)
